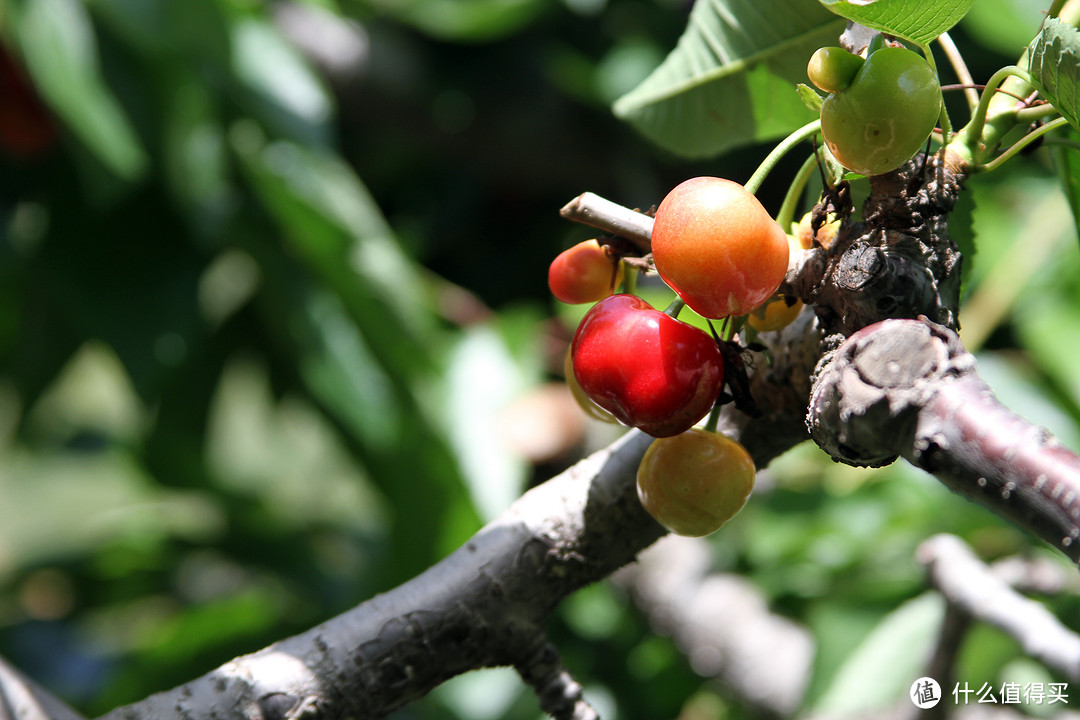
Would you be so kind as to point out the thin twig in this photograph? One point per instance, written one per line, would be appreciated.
(592, 210)
(967, 583)
(560, 695)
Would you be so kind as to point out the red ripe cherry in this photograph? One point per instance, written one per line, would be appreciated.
(584, 273)
(718, 247)
(646, 368)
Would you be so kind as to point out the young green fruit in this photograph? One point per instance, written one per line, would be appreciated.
(695, 482)
(833, 68)
(885, 114)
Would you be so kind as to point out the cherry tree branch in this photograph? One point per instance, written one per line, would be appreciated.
(22, 698)
(484, 605)
(974, 589)
(597, 212)
(909, 388)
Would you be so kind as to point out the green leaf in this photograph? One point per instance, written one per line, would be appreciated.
(1054, 62)
(58, 45)
(730, 80)
(1067, 163)
(196, 164)
(880, 671)
(331, 222)
(1004, 25)
(919, 21)
(810, 98)
(277, 84)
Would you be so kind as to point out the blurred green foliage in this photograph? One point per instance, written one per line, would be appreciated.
(278, 272)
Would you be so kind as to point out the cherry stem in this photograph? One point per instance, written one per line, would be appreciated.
(714, 418)
(808, 130)
(943, 116)
(960, 68)
(675, 307)
(977, 136)
(787, 209)
(1020, 144)
(630, 276)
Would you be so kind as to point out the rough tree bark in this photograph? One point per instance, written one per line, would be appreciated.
(877, 363)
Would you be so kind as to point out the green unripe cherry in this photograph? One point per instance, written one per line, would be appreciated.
(885, 115)
(833, 68)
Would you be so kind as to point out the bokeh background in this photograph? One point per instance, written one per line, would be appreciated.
(275, 336)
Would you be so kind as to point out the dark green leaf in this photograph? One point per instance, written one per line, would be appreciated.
(462, 20)
(1054, 62)
(58, 44)
(919, 21)
(729, 81)
(331, 222)
(196, 162)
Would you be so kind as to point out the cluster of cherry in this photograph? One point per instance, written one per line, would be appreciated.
(725, 256)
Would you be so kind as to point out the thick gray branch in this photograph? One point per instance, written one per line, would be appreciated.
(908, 388)
(482, 606)
(22, 699)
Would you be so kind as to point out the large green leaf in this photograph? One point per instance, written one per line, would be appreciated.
(917, 20)
(331, 222)
(1054, 62)
(731, 79)
(58, 44)
(1004, 25)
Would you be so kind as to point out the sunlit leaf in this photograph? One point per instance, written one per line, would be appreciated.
(731, 78)
(277, 84)
(810, 98)
(880, 670)
(58, 44)
(1054, 62)
(917, 20)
